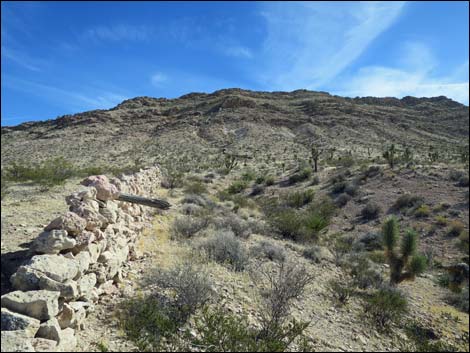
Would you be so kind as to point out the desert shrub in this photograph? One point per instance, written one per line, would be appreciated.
(288, 223)
(268, 250)
(302, 175)
(152, 320)
(189, 283)
(372, 171)
(386, 306)
(269, 180)
(422, 211)
(194, 199)
(187, 226)
(4, 186)
(220, 331)
(370, 241)
(370, 211)
(341, 290)
(260, 179)
(342, 200)
(173, 172)
(256, 190)
(314, 253)
(225, 248)
(299, 199)
(283, 286)
(339, 187)
(234, 223)
(195, 187)
(147, 322)
(351, 189)
(345, 161)
(377, 256)
(407, 201)
(455, 228)
(441, 220)
(424, 339)
(248, 175)
(315, 180)
(237, 187)
(460, 177)
(463, 241)
(364, 273)
(342, 246)
(463, 181)
(190, 209)
(461, 300)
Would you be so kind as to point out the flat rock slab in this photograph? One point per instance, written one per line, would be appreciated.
(39, 304)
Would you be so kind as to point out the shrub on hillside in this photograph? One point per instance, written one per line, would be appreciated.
(268, 250)
(342, 200)
(234, 223)
(187, 226)
(225, 248)
(455, 228)
(302, 175)
(371, 211)
(237, 187)
(407, 201)
(386, 306)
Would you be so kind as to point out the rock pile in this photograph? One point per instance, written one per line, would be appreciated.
(75, 260)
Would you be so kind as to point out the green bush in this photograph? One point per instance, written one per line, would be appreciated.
(441, 220)
(187, 226)
(386, 306)
(425, 340)
(463, 242)
(298, 199)
(340, 290)
(455, 228)
(248, 175)
(342, 200)
(363, 272)
(237, 187)
(269, 180)
(422, 211)
(220, 331)
(195, 187)
(407, 201)
(302, 175)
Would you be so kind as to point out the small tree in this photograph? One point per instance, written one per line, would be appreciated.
(230, 162)
(316, 152)
(407, 155)
(433, 154)
(405, 264)
(389, 155)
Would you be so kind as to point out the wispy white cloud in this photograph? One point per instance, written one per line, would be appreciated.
(120, 32)
(93, 99)
(20, 58)
(310, 43)
(413, 76)
(158, 79)
(238, 51)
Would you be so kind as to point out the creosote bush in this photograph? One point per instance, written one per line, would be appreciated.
(298, 199)
(237, 186)
(386, 306)
(341, 290)
(302, 175)
(455, 228)
(406, 202)
(342, 200)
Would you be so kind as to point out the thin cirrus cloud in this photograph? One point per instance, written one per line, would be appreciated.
(309, 44)
(93, 99)
(120, 32)
(20, 58)
(413, 76)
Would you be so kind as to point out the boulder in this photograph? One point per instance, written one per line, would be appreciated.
(39, 304)
(67, 289)
(26, 278)
(16, 341)
(56, 267)
(12, 321)
(67, 341)
(86, 284)
(104, 189)
(50, 330)
(70, 222)
(44, 345)
(66, 316)
(52, 242)
(83, 259)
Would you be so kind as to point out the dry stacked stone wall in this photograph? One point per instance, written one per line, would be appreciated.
(76, 259)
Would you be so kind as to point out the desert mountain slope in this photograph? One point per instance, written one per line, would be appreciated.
(255, 123)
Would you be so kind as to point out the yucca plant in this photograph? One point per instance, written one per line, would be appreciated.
(405, 263)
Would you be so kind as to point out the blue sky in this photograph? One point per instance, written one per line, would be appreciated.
(66, 57)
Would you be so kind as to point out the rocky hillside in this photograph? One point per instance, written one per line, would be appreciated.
(251, 123)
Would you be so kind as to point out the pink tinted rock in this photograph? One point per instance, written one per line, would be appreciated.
(70, 222)
(104, 189)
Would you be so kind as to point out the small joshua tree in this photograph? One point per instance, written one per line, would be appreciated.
(230, 162)
(407, 155)
(404, 263)
(315, 151)
(433, 154)
(389, 155)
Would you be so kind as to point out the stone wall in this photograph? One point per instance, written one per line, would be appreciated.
(74, 261)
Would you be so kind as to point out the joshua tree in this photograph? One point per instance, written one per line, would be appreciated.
(433, 154)
(404, 263)
(316, 151)
(407, 155)
(389, 155)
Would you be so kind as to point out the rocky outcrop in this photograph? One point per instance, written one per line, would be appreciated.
(77, 258)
